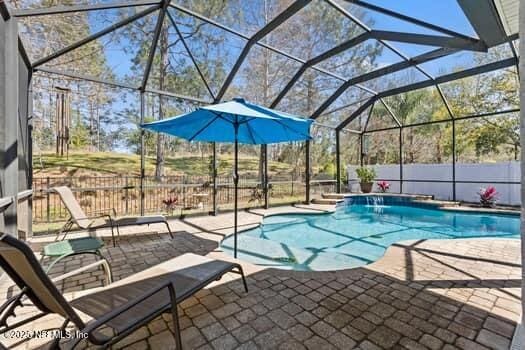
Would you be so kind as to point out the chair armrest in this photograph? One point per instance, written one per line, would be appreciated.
(5, 203)
(24, 195)
(125, 307)
(102, 262)
(107, 216)
(12, 300)
(103, 212)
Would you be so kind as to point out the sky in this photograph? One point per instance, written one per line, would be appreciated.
(445, 13)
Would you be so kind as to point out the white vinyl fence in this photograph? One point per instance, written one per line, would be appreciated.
(483, 174)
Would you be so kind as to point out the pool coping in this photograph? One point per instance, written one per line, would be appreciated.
(481, 210)
(440, 204)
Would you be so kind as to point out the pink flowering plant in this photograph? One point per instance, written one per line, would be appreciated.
(488, 196)
(383, 186)
(170, 204)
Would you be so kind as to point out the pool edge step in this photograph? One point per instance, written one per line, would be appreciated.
(326, 201)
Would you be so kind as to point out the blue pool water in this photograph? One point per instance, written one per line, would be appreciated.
(358, 234)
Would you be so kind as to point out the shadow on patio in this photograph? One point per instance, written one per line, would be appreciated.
(417, 296)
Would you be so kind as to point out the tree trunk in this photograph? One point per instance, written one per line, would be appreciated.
(411, 149)
(266, 93)
(163, 46)
(439, 158)
(91, 126)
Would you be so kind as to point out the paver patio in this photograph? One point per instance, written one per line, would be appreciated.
(435, 294)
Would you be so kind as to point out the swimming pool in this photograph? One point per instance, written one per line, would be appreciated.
(358, 233)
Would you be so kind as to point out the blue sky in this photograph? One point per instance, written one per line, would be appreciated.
(445, 13)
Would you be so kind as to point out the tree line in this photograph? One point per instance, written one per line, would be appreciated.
(105, 119)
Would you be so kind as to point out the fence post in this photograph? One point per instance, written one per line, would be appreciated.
(126, 194)
(183, 191)
(293, 179)
(48, 201)
(228, 187)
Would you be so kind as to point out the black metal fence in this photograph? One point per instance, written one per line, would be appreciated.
(188, 194)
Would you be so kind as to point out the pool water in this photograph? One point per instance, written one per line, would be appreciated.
(358, 234)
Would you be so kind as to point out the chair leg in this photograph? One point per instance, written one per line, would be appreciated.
(241, 272)
(69, 227)
(54, 262)
(113, 236)
(107, 268)
(118, 230)
(175, 316)
(56, 342)
(60, 231)
(169, 229)
(42, 257)
(64, 229)
(75, 341)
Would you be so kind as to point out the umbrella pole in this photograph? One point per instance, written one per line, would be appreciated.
(236, 186)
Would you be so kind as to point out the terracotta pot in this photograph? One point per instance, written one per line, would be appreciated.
(366, 187)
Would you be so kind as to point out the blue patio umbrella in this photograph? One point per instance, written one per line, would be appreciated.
(235, 121)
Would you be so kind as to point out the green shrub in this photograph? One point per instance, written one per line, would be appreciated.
(365, 174)
(329, 168)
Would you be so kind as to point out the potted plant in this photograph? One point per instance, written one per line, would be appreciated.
(383, 186)
(366, 178)
(488, 196)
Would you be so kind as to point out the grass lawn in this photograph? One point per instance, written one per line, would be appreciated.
(102, 163)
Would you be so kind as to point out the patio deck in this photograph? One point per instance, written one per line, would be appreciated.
(454, 294)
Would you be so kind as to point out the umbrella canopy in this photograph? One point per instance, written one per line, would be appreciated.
(235, 121)
(216, 123)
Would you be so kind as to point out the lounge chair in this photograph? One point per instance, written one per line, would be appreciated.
(79, 217)
(108, 314)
